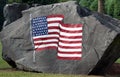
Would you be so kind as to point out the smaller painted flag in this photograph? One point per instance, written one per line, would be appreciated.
(70, 42)
(45, 31)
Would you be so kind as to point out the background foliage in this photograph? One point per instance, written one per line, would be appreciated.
(111, 7)
(2, 4)
(42, 2)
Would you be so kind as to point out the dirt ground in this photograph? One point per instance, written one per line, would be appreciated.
(8, 69)
(114, 70)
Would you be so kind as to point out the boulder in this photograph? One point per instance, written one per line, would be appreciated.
(101, 41)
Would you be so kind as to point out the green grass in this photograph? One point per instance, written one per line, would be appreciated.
(29, 74)
(3, 64)
(118, 61)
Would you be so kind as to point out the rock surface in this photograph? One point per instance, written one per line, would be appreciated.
(101, 42)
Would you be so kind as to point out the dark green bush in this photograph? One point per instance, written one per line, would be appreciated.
(43, 2)
(2, 4)
(109, 7)
(94, 5)
(11, 1)
(117, 9)
(86, 3)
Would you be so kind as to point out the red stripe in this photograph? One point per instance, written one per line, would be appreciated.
(67, 47)
(68, 31)
(71, 37)
(54, 27)
(55, 21)
(71, 25)
(70, 52)
(69, 58)
(54, 15)
(45, 38)
(45, 43)
(70, 42)
(46, 48)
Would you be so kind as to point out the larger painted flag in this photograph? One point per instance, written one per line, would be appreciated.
(50, 32)
(70, 42)
(45, 31)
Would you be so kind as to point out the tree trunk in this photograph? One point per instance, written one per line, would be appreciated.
(100, 6)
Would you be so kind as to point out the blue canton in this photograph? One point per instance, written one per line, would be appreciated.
(39, 26)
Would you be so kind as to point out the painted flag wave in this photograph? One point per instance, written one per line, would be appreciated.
(50, 32)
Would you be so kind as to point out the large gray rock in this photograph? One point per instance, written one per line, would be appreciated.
(101, 42)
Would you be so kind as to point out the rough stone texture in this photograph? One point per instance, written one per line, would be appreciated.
(13, 12)
(101, 42)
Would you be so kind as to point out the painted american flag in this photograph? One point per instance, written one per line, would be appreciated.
(50, 32)
(45, 31)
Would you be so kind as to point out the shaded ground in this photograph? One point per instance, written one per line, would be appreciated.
(10, 72)
(115, 69)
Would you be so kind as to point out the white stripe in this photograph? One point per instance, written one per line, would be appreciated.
(69, 55)
(46, 36)
(70, 29)
(70, 50)
(68, 39)
(70, 45)
(54, 19)
(43, 41)
(53, 24)
(53, 30)
(45, 45)
(70, 34)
